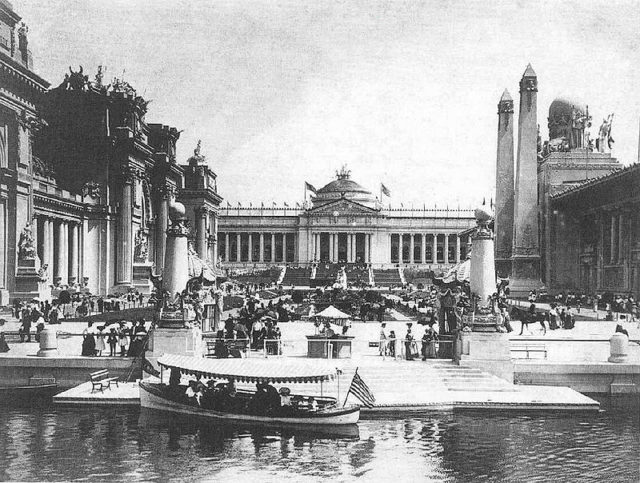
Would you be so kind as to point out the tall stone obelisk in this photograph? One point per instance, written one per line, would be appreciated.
(504, 187)
(525, 271)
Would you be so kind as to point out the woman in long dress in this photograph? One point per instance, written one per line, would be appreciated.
(100, 345)
(89, 342)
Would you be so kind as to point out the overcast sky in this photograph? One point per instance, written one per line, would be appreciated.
(403, 92)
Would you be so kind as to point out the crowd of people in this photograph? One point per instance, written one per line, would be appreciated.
(407, 348)
(122, 339)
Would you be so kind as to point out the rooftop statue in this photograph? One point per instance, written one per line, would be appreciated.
(76, 81)
(605, 141)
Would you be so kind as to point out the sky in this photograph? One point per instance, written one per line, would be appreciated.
(402, 92)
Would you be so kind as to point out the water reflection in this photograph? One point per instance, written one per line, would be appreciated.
(145, 445)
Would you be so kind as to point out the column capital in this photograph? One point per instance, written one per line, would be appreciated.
(130, 173)
(166, 190)
(203, 211)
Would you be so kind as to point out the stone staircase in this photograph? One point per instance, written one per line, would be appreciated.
(410, 383)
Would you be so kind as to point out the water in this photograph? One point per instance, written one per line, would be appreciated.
(141, 445)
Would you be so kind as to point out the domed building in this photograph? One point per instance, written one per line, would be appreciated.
(343, 223)
(343, 187)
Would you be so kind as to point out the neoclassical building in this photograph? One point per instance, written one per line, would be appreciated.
(86, 181)
(344, 222)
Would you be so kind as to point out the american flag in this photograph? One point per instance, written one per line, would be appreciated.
(360, 390)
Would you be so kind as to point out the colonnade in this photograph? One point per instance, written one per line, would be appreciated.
(341, 247)
(258, 247)
(427, 248)
(59, 248)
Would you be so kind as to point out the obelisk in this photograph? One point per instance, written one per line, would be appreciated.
(525, 270)
(504, 187)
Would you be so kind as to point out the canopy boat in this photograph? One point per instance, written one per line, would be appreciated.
(229, 404)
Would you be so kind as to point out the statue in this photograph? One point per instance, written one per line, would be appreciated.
(605, 141)
(99, 76)
(43, 273)
(141, 250)
(26, 249)
(76, 81)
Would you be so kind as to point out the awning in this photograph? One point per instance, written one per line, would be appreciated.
(250, 371)
(459, 273)
(332, 313)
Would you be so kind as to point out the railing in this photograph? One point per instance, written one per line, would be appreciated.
(442, 348)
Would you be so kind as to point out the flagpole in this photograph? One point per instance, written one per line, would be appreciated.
(347, 397)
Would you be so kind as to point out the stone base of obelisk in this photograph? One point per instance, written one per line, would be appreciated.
(525, 275)
(486, 349)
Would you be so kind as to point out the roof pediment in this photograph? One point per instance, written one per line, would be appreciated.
(343, 207)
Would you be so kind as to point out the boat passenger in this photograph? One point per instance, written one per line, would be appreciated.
(313, 404)
(191, 392)
(285, 397)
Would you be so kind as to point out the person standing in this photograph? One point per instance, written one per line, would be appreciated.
(112, 340)
(100, 341)
(383, 340)
(408, 343)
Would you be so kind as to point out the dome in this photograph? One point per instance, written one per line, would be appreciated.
(177, 211)
(344, 187)
(563, 106)
(564, 115)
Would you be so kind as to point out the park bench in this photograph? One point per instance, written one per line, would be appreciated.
(234, 347)
(101, 380)
(529, 349)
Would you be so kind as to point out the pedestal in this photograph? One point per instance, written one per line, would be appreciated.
(485, 350)
(184, 342)
(48, 343)
(142, 278)
(29, 283)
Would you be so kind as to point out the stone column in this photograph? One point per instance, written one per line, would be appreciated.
(367, 248)
(261, 248)
(227, 250)
(176, 268)
(46, 243)
(412, 248)
(61, 253)
(250, 246)
(238, 247)
(457, 248)
(482, 268)
(331, 247)
(349, 248)
(445, 249)
(435, 249)
(612, 252)
(423, 248)
(273, 247)
(201, 231)
(51, 245)
(165, 193)
(124, 267)
(620, 238)
(73, 255)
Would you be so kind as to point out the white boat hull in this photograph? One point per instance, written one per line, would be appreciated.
(342, 416)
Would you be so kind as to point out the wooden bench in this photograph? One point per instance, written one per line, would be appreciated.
(101, 380)
(529, 349)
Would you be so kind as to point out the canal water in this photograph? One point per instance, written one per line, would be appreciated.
(48, 443)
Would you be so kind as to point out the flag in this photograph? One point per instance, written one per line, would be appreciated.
(310, 187)
(250, 204)
(228, 205)
(286, 204)
(297, 205)
(361, 391)
(239, 205)
(274, 204)
(385, 190)
(262, 204)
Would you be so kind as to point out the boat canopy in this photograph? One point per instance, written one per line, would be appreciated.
(251, 371)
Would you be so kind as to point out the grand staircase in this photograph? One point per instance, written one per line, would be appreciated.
(387, 277)
(297, 277)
